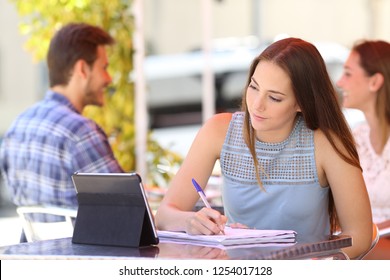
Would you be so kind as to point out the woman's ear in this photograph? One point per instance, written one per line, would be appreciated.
(376, 82)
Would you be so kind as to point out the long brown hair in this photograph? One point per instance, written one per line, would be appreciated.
(315, 96)
(375, 58)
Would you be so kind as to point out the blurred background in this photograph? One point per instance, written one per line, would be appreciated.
(174, 33)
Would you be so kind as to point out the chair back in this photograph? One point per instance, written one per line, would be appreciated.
(35, 231)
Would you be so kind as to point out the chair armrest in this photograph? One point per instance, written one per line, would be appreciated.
(47, 210)
(384, 228)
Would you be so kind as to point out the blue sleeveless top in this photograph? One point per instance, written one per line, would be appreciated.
(292, 197)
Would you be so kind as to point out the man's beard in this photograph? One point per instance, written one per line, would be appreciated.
(92, 97)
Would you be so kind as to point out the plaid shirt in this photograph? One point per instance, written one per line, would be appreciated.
(45, 146)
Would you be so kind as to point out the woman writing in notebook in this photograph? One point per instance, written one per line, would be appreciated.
(288, 159)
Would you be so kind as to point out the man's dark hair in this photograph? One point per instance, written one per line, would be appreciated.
(71, 43)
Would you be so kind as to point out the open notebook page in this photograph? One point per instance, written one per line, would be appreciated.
(233, 236)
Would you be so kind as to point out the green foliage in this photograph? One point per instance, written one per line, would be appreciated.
(40, 19)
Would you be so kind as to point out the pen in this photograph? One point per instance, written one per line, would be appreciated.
(202, 196)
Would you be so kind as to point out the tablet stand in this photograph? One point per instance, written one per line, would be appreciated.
(112, 219)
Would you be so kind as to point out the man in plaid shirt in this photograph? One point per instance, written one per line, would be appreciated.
(51, 140)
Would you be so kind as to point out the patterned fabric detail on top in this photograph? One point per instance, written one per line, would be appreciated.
(293, 197)
(376, 173)
(283, 163)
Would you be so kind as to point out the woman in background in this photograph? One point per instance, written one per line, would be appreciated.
(288, 160)
(366, 87)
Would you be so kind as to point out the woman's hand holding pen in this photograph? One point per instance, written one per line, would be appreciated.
(206, 221)
(209, 220)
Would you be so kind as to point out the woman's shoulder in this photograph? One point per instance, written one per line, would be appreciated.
(323, 145)
(220, 119)
(217, 125)
(329, 147)
(321, 139)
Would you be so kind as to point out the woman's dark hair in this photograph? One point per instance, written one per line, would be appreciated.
(71, 43)
(316, 97)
